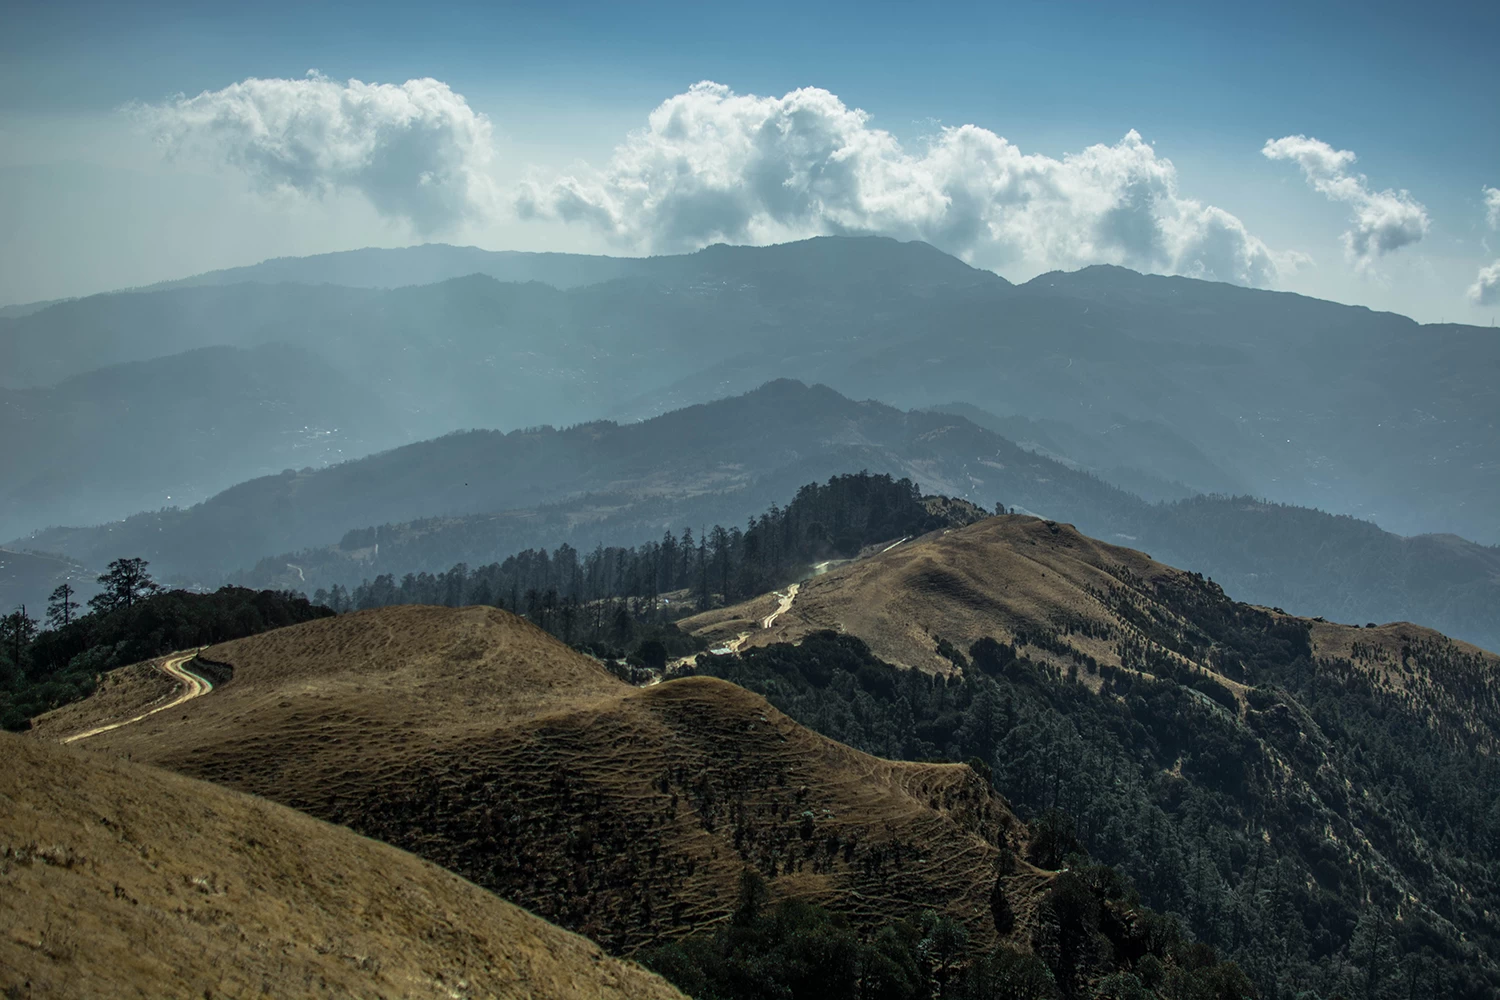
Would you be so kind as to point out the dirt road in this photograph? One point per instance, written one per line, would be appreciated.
(172, 666)
(734, 645)
(786, 602)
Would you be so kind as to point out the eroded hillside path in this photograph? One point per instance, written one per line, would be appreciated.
(786, 603)
(786, 600)
(172, 666)
(733, 645)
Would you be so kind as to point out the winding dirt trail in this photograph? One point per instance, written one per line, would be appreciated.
(733, 645)
(173, 668)
(786, 603)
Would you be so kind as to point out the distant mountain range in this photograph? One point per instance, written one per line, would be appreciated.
(174, 430)
(721, 461)
(1276, 395)
(1146, 457)
(479, 496)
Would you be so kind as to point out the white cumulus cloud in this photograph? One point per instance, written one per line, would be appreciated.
(417, 151)
(1492, 207)
(1486, 288)
(712, 165)
(1383, 220)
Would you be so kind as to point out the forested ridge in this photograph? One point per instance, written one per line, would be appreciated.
(1090, 938)
(480, 496)
(603, 594)
(1333, 839)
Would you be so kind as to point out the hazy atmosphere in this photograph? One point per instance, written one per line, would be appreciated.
(841, 502)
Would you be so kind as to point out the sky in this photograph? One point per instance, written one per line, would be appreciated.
(1346, 151)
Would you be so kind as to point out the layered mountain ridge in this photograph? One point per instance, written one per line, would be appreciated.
(1295, 399)
(481, 496)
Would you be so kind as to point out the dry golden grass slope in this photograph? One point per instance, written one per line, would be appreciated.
(479, 742)
(999, 577)
(118, 880)
(1017, 576)
(121, 694)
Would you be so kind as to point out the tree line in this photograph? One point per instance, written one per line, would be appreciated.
(51, 661)
(614, 595)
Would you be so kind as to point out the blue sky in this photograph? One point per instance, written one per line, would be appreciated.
(88, 201)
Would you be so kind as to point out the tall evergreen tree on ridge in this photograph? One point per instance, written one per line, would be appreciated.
(61, 606)
(17, 629)
(126, 582)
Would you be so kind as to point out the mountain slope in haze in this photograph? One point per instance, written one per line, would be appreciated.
(125, 881)
(472, 351)
(1143, 457)
(480, 743)
(726, 460)
(1370, 413)
(29, 577)
(426, 264)
(1300, 400)
(469, 352)
(1337, 567)
(482, 496)
(1316, 800)
(434, 262)
(26, 308)
(175, 430)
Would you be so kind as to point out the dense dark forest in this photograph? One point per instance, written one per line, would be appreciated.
(605, 597)
(43, 666)
(1333, 842)
(1089, 924)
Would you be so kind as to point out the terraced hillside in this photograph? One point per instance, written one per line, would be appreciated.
(480, 743)
(118, 880)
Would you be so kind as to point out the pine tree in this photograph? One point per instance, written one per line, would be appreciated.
(17, 629)
(125, 584)
(61, 606)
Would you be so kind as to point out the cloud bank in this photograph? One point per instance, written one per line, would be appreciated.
(417, 151)
(712, 165)
(1384, 221)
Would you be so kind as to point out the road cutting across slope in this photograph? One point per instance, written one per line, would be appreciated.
(786, 603)
(172, 666)
(734, 645)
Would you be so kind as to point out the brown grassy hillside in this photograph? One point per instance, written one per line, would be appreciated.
(1062, 597)
(121, 694)
(1167, 720)
(477, 741)
(999, 577)
(118, 880)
